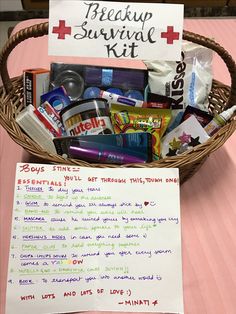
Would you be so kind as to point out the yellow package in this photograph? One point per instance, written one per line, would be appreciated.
(127, 119)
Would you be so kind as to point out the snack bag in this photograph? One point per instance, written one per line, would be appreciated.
(187, 81)
(126, 119)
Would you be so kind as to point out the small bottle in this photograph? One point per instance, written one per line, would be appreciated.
(219, 120)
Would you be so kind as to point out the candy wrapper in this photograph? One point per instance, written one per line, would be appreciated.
(187, 81)
(126, 119)
(203, 117)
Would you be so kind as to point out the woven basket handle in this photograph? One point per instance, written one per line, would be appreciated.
(39, 30)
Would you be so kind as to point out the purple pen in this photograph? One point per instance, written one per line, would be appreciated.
(108, 155)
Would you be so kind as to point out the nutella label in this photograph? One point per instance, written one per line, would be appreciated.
(96, 125)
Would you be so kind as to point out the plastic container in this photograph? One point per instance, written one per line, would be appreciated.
(85, 117)
(219, 120)
(72, 82)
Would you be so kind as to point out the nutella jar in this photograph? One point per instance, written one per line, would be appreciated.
(87, 117)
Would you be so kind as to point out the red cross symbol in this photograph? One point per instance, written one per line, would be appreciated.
(170, 35)
(62, 30)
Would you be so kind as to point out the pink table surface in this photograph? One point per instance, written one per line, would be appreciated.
(208, 206)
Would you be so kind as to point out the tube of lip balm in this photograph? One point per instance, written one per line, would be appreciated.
(105, 154)
(121, 100)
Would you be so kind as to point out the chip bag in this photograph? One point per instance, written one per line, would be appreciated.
(126, 119)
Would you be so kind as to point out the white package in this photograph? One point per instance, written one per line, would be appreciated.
(187, 81)
(33, 127)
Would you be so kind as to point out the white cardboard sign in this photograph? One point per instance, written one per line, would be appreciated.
(115, 29)
(86, 239)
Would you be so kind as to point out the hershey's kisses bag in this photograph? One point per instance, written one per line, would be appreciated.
(187, 81)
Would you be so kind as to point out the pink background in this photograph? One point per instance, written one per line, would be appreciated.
(208, 206)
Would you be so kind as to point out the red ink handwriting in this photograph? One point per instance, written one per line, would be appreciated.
(139, 302)
(48, 296)
(100, 290)
(114, 291)
(28, 168)
(27, 297)
(86, 292)
(172, 180)
(70, 294)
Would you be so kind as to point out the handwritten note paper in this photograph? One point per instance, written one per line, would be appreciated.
(95, 239)
(115, 29)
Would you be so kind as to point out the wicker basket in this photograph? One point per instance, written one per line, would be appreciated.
(220, 98)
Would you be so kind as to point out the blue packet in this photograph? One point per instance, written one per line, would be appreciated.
(57, 98)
